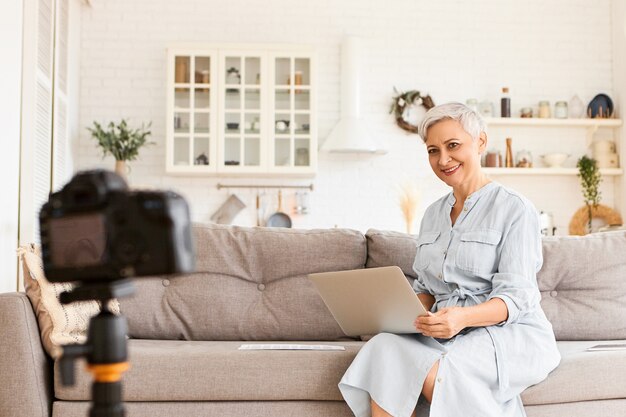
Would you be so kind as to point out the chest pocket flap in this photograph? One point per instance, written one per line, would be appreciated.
(477, 251)
(427, 238)
(488, 236)
(425, 250)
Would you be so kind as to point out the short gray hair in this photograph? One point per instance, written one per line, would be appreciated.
(471, 121)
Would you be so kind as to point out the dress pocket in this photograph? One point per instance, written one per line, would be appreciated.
(477, 251)
(425, 250)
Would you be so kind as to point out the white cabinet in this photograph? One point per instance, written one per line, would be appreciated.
(241, 110)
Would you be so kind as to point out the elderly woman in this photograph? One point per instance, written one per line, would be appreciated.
(485, 338)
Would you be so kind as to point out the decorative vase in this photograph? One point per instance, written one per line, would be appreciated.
(576, 108)
(121, 169)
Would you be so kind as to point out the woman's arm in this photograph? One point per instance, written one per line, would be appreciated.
(427, 300)
(449, 321)
(490, 312)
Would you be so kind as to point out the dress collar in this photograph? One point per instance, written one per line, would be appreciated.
(473, 197)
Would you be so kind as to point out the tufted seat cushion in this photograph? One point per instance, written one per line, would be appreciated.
(249, 284)
(582, 285)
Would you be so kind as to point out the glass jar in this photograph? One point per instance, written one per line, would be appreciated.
(486, 109)
(472, 103)
(544, 109)
(524, 159)
(526, 112)
(302, 157)
(560, 110)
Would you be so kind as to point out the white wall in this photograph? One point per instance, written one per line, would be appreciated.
(618, 16)
(10, 85)
(452, 50)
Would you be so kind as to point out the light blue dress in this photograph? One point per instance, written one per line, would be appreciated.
(493, 250)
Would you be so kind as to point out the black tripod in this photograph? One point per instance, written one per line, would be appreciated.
(105, 349)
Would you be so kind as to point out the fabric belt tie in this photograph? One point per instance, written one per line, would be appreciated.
(453, 298)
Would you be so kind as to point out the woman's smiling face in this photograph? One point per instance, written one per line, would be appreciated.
(453, 155)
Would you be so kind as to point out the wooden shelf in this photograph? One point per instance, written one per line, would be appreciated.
(547, 171)
(535, 121)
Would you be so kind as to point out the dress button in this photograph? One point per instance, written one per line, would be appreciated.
(166, 282)
(439, 379)
(439, 276)
(553, 293)
(465, 208)
(261, 287)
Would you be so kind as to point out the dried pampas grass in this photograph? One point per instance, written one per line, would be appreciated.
(409, 202)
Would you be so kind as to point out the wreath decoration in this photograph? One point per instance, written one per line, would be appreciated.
(403, 100)
(579, 223)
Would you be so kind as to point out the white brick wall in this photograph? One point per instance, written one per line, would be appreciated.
(453, 50)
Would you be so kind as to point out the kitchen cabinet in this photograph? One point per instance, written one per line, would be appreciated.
(241, 110)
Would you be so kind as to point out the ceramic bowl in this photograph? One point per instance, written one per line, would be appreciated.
(554, 160)
(600, 107)
(232, 126)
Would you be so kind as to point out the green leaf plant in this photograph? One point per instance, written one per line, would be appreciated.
(121, 141)
(590, 179)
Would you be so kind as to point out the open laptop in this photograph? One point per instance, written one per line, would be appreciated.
(370, 301)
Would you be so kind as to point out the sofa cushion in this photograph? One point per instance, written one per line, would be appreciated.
(583, 285)
(582, 375)
(387, 248)
(249, 284)
(172, 370)
(59, 324)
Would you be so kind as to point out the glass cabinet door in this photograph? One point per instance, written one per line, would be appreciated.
(291, 110)
(192, 104)
(241, 122)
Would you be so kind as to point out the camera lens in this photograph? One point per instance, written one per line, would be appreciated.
(128, 248)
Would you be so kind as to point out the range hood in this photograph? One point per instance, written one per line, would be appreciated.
(350, 135)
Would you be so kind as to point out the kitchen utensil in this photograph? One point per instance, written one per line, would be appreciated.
(279, 219)
(229, 210)
(508, 160)
(554, 160)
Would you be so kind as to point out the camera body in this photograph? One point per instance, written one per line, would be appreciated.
(95, 229)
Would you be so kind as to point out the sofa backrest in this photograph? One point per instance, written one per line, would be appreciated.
(583, 285)
(249, 284)
(582, 281)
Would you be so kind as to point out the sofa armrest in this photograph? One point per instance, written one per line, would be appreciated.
(26, 384)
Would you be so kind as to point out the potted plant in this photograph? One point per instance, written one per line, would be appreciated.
(590, 179)
(120, 141)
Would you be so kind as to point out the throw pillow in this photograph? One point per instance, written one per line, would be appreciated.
(59, 324)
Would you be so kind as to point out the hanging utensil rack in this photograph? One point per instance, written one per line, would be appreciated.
(305, 187)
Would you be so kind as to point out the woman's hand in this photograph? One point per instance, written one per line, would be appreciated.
(443, 324)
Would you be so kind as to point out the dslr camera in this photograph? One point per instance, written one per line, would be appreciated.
(96, 230)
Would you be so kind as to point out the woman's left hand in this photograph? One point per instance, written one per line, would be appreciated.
(443, 324)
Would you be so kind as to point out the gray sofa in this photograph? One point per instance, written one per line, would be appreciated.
(251, 285)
